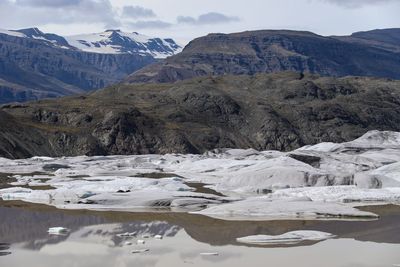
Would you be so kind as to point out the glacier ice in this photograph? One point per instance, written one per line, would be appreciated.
(322, 181)
(288, 238)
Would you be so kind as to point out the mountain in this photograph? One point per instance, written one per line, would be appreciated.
(387, 36)
(107, 42)
(265, 111)
(375, 53)
(35, 65)
(385, 39)
(118, 42)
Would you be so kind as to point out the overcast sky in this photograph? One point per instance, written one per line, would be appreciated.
(187, 19)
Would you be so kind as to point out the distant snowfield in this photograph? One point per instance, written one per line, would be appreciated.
(324, 181)
(117, 42)
(107, 42)
(12, 33)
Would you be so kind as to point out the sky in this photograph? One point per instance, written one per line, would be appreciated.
(185, 20)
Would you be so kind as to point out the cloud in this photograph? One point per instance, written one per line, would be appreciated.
(48, 3)
(136, 12)
(208, 18)
(16, 14)
(150, 24)
(27, 13)
(357, 3)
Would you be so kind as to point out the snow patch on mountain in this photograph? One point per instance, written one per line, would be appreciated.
(12, 33)
(118, 42)
(108, 42)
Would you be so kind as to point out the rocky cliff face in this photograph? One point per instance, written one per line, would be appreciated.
(266, 111)
(364, 54)
(31, 69)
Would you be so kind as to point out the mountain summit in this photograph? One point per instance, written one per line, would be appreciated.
(375, 53)
(118, 42)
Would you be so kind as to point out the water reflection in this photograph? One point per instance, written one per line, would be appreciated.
(4, 246)
(95, 240)
(28, 223)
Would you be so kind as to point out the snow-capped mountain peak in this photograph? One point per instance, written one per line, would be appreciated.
(107, 42)
(118, 42)
(52, 39)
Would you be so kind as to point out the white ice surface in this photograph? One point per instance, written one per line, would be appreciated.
(289, 238)
(321, 181)
(265, 208)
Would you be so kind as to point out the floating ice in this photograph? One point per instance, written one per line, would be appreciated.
(289, 238)
(265, 208)
(209, 254)
(58, 231)
(140, 250)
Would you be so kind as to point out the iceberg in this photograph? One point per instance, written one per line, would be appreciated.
(58, 231)
(266, 209)
(289, 238)
(140, 250)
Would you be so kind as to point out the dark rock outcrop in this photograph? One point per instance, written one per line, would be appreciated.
(266, 111)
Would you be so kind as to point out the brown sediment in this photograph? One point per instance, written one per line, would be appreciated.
(201, 188)
(7, 178)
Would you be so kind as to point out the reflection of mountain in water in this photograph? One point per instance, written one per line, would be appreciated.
(30, 225)
(22, 225)
(138, 228)
(4, 246)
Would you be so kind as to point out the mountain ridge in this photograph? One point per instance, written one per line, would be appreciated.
(107, 42)
(267, 51)
(280, 111)
(36, 65)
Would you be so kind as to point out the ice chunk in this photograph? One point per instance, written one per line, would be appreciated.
(385, 176)
(140, 242)
(158, 237)
(209, 254)
(140, 250)
(58, 231)
(289, 238)
(265, 208)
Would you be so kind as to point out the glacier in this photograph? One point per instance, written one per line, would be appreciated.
(326, 181)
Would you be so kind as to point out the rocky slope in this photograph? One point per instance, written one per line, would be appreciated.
(387, 39)
(35, 65)
(266, 111)
(375, 53)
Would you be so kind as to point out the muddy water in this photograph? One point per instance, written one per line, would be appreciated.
(94, 241)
